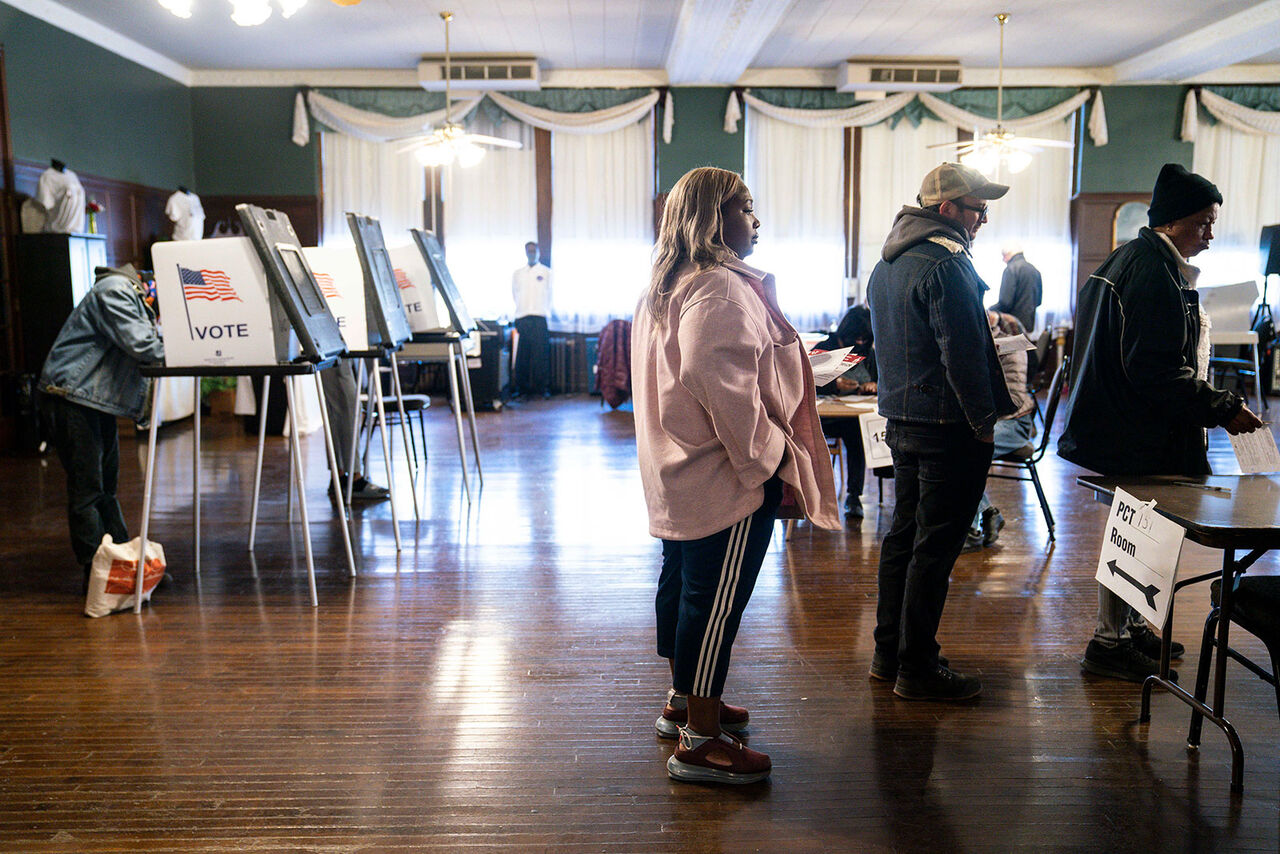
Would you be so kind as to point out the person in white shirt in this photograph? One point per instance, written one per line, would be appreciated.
(531, 289)
(59, 192)
(186, 213)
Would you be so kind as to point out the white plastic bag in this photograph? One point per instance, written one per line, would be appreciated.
(114, 576)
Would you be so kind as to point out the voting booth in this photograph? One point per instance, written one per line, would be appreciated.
(246, 306)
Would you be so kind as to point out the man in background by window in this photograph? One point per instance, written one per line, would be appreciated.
(1020, 287)
(531, 290)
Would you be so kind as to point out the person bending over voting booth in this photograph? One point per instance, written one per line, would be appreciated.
(89, 379)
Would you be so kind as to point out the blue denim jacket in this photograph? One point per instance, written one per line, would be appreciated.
(936, 358)
(94, 360)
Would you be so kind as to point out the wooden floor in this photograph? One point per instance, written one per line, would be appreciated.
(493, 687)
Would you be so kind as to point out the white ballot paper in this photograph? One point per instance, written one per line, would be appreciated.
(1013, 344)
(1256, 452)
(829, 364)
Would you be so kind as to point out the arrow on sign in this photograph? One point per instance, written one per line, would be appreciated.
(1148, 590)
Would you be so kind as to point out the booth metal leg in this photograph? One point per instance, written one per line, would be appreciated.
(296, 455)
(410, 455)
(455, 350)
(335, 476)
(357, 429)
(465, 377)
(257, 468)
(376, 387)
(149, 478)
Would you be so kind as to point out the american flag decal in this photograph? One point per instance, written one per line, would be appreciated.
(213, 285)
(402, 279)
(327, 287)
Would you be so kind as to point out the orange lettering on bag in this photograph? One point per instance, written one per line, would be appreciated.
(124, 573)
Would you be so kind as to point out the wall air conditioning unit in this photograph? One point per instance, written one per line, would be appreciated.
(502, 73)
(899, 75)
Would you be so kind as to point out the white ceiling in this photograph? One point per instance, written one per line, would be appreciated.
(699, 41)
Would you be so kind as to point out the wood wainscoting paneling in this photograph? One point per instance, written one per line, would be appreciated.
(1092, 226)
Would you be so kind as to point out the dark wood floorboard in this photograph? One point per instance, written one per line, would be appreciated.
(493, 687)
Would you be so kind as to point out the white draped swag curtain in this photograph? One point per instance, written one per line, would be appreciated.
(1239, 150)
(602, 182)
(795, 167)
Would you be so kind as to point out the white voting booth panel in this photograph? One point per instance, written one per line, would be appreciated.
(416, 291)
(337, 271)
(216, 311)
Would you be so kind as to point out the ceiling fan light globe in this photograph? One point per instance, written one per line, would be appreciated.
(1017, 160)
(180, 8)
(288, 8)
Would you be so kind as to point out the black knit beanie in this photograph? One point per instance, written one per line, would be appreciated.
(1179, 193)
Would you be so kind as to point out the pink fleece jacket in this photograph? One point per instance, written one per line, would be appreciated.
(724, 398)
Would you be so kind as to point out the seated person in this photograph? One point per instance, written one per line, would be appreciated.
(1012, 435)
(854, 331)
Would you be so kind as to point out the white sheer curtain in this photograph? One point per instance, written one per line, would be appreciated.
(894, 163)
(490, 212)
(369, 178)
(601, 223)
(795, 176)
(1246, 168)
(1035, 214)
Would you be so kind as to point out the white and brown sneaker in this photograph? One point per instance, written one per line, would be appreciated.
(723, 759)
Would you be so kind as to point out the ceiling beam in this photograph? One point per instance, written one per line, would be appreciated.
(1234, 39)
(716, 40)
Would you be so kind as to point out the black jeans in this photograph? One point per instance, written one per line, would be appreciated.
(533, 355)
(939, 474)
(88, 446)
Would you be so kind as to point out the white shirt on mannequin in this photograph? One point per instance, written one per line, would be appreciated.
(62, 198)
(187, 214)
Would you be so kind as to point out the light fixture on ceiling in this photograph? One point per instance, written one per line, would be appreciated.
(247, 13)
(449, 143)
(1000, 149)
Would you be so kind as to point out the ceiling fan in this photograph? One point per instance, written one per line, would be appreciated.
(450, 142)
(1000, 147)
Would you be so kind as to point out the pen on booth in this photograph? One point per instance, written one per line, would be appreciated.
(1207, 487)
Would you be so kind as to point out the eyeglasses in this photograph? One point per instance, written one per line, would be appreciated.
(980, 210)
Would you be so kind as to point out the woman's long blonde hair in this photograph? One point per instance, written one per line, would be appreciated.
(691, 231)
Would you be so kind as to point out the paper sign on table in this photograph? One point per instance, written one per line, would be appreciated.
(1256, 452)
(829, 364)
(875, 448)
(1139, 558)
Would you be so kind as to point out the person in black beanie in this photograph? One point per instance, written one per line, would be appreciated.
(1140, 398)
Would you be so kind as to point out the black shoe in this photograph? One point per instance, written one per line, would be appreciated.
(1148, 643)
(943, 684)
(992, 524)
(853, 506)
(363, 490)
(1122, 661)
(886, 670)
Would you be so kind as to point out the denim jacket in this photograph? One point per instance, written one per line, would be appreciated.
(936, 359)
(94, 360)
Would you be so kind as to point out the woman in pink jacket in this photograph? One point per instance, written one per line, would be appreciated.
(725, 421)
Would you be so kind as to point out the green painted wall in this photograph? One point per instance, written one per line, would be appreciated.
(698, 138)
(1142, 125)
(98, 112)
(242, 143)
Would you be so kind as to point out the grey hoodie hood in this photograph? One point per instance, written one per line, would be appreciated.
(913, 225)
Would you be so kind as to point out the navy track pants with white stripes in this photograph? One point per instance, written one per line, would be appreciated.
(702, 591)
